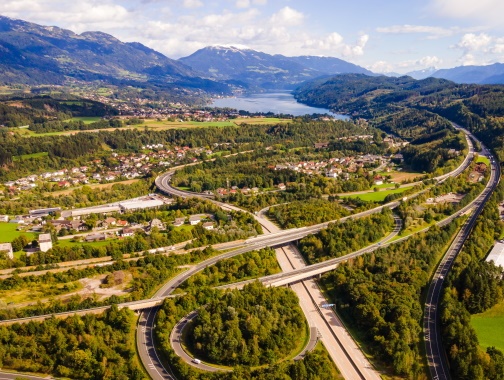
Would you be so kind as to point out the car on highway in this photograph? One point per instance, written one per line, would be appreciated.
(196, 361)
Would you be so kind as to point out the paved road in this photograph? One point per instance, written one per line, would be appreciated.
(163, 183)
(436, 355)
(14, 376)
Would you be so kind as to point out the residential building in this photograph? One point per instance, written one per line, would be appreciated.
(208, 226)
(178, 222)
(194, 219)
(156, 223)
(7, 247)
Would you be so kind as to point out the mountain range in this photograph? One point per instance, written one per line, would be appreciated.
(259, 70)
(34, 54)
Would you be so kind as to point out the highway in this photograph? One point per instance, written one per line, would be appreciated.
(435, 352)
(145, 336)
(17, 375)
(154, 365)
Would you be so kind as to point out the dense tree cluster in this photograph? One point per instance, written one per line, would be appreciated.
(474, 286)
(380, 295)
(306, 213)
(341, 238)
(315, 366)
(87, 347)
(252, 326)
(249, 265)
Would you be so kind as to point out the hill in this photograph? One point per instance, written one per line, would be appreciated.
(490, 74)
(256, 69)
(34, 54)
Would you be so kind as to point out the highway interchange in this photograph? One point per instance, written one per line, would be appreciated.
(146, 324)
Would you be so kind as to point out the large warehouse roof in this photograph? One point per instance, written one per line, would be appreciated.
(497, 254)
(95, 210)
(140, 204)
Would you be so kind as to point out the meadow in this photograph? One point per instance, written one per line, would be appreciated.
(376, 196)
(489, 327)
(8, 232)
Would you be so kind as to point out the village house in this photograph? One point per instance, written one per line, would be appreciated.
(156, 223)
(45, 242)
(208, 226)
(178, 222)
(96, 237)
(127, 232)
(7, 248)
(195, 219)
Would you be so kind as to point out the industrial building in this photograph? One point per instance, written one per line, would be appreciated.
(140, 204)
(497, 254)
(44, 211)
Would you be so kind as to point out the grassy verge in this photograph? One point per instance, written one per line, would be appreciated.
(321, 350)
(484, 160)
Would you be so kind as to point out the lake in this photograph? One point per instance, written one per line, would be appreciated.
(276, 102)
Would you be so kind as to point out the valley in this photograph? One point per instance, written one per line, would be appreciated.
(235, 214)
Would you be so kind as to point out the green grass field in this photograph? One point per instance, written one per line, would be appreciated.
(483, 159)
(27, 156)
(8, 233)
(68, 243)
(383, 186)
(376, 196)
(87, 119)
(490, 327)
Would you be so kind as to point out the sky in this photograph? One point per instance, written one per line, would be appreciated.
(381, 35)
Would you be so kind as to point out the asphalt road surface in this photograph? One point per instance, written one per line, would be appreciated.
(436, 356)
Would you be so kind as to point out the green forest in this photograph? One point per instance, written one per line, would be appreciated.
(252, 326)
(315, 365)
(87, 347)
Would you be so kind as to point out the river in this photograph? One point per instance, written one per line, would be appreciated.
(276, 102)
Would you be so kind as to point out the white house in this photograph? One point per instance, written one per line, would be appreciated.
(208, 226)
(194, 219)
(7, 247)
(45, 242)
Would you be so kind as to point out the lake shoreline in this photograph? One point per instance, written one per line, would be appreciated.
(277, 102)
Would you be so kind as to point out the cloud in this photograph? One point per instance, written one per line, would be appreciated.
(432, 31)
(192, 4)
(474, 42)
(381, 67)
(421, 63)
(242, 3)
(357, 49)
(488, 11)
(406, 66)
(498, 48)
(430, 61)
(177, 28)
(287, 17)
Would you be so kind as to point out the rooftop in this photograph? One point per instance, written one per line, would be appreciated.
(497, 254)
